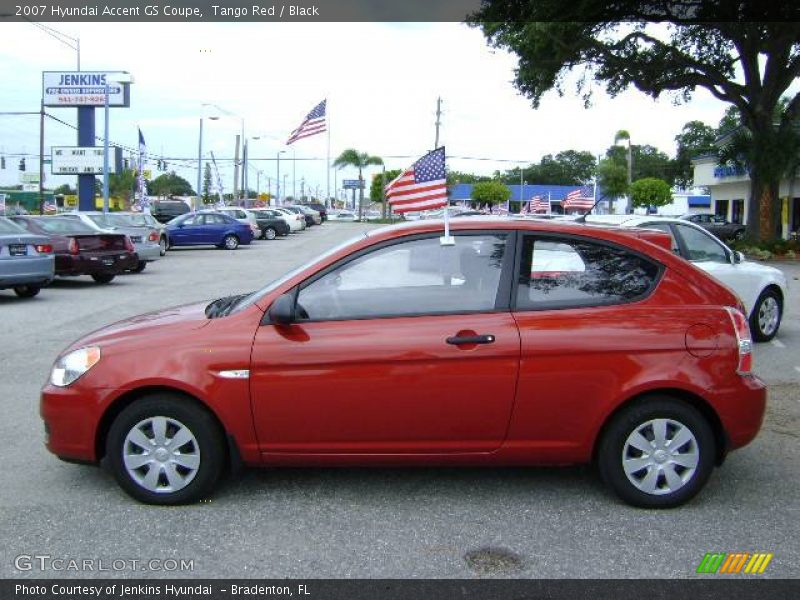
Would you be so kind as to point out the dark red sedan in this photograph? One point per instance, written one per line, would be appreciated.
(523, 343)
(81, 250)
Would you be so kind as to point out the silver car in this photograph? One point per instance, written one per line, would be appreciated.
(143, 219)
(27, 262)
(145, 238)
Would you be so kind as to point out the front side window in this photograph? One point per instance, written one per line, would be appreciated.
(568, 273)
(700, 246)
(665, 227)
(414, 277)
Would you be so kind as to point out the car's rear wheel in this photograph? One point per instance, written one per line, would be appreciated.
(766, 316)
(26, 291)
(270, 233)
(103, 277)
(140, 266)
(231, 242)
(165, 449)
(657, 453)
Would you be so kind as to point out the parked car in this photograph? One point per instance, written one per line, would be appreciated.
(762, 288)
(166, 210)
(319, 207)
(209, 228)
(297, 220)
(243, 215)
(397, 349)
(271, 223)
(719, 226)
(26, 260)
(344, 215)
(143, 219)
(82, 250)
(145, 239)
(307, 214)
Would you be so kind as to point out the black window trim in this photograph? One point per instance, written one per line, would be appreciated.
(502, 299)
(587, 239)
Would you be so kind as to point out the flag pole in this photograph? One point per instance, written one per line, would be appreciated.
(328, 162)
(447, 239)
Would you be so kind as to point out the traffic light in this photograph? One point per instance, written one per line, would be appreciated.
(21, 164)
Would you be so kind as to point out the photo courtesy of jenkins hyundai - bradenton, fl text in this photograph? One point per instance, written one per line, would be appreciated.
(525, 342)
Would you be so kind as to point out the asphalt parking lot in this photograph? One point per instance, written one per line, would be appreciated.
(365, 523)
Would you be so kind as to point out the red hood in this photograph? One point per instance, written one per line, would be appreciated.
(148, 327)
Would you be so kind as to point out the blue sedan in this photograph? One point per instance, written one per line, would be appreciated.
(26, 261)
(208, 229)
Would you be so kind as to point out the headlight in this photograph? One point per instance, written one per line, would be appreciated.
(71, 366)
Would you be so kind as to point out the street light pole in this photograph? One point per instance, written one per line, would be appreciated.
(105, 151)
(278, 179)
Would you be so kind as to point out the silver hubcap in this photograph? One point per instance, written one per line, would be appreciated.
(660, 456)
(270, 234)
(161, 454)
(768, 315)
(163, 246)
(230, 242)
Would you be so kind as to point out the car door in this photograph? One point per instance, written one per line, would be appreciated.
(711, 255)
(405, 348)
(188, 231)
(586, 332)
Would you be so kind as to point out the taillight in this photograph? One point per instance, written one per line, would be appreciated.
(744, 340)
(153, 237)
(44, 248)
(73, 246)
(129, 245)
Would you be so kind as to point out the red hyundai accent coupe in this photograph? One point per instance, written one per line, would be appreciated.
(523, 343)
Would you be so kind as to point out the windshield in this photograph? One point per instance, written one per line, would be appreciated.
(254, 297)
(56, 225)
(7, 226)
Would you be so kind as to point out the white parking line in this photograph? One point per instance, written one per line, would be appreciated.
(778, 344)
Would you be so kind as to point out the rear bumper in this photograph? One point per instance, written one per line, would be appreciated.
(88, 264)
(34, 270)
(742, 409)
(148, 251)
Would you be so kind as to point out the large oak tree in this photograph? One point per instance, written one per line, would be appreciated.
(744, 52)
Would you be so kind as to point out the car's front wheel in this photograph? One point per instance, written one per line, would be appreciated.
(270, 233)
(766, 316)
(165, 449)
(26, 291)
(163, 246)
(657, 453)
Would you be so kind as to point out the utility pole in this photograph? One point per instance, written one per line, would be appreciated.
(41, 160)
(303, 188)
(236, 171)
(438, 120)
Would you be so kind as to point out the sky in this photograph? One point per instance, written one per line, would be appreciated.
(381, 81)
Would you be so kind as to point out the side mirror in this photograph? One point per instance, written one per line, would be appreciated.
(738, 257)
(282, 310)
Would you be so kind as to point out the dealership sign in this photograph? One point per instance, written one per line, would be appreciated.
(83, 88)
(76, 160)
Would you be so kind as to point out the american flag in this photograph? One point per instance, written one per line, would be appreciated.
(423, 186)
(578, 199)
(313, 124)
(539, 205)
(144, 201)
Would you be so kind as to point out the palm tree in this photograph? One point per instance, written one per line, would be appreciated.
(353, 158)
(621, 135)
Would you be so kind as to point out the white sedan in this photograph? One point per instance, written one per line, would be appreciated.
(761, 288)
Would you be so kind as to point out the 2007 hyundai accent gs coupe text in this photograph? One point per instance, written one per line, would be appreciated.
(524, 343)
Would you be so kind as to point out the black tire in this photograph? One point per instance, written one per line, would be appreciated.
(26, 291)
(210, 448)
(140, 266)
(762, 327)
(230, 242)
(269, 233)
(613, 447)
(103, 277)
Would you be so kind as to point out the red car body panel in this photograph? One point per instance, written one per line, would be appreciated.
(389, 391)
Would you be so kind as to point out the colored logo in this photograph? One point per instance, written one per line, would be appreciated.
(736, 562)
